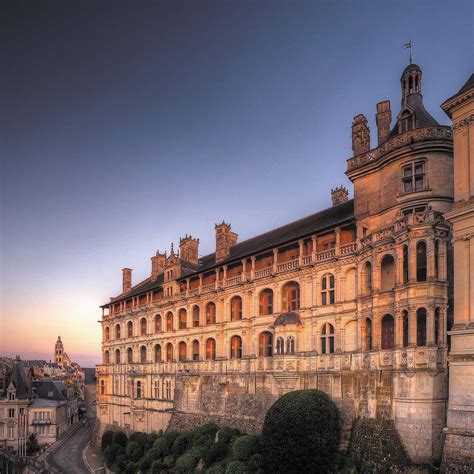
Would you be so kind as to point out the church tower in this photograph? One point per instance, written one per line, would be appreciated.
(59, 352)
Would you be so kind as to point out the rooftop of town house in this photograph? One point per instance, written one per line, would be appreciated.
(305, 227)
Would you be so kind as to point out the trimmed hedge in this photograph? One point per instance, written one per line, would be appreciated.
(107, 439)
(188, 461)
(120, 438)
(237, 467)
(301, 433)
(245, 446)
(133, 451)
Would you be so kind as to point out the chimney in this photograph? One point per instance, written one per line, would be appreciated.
(360, 135)
(225, 239)
(188, 249)
(126, 280)
(383, 119)
(339, 195)
(157, 264)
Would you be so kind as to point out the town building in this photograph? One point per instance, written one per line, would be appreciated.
(354, 300)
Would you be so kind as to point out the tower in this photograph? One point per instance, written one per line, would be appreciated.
(59, 352)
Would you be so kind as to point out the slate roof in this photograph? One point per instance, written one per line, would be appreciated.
(89, 375)
(287, 318)
(51, 390)
(468, 85)
(320, 221)
(18, 379)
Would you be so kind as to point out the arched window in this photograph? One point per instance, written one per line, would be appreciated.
(182, 351)
(106, 357)
(157, 353)
(158, 324)
(183, 316)
(117, 356)
(290, 295)
(388, 273)
(388, 332)
(210, 349)
(290, 345)
(437, 337)
(143, 327)
(405, 264)
(266, 302)
(236, 308)
(405, 328)
(195, 349)
(421, 327)
(143, 354)
(117, 331)
(211, 313)
(130, 355)
(130, 329)
(169, 321)
(367, 278)
(327, 289)
(327, 339)
(169, 352)
(421, 261)
(368, 334)
(139, 389)
(280, 346)
(102, 387)
(265, 344)
(196, 316)
(236, 347)
(107, 334)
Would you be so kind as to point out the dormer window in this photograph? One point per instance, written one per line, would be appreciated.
(406, 122)
(413, 177)
(11, 396)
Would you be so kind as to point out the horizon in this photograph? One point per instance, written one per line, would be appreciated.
(122, 134)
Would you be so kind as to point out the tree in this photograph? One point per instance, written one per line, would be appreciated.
(301, 433)
(32, 445)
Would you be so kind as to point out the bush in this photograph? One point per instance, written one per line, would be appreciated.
(208, 430)
(216, 452)
(142, 439)
(256, 462)
(245, 446)
(162, 445)
(133, 451)
(168, 461)
(237, 467)
(143, 465)
(181, 444)
(110, 452)
(217, 468)
(170, 437)
(153, 454)
(120, 438)
(188, 461)
(301, 433)
(227, 433)
(107, 439)
(157, 466)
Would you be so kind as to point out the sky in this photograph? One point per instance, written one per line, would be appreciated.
(126, 124)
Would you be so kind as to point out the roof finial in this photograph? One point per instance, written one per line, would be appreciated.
(409, 46)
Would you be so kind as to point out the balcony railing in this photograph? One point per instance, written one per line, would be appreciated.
(286, 266)
(307, 260)
(208, 288)
(348, 248)
(233, 281)
(325, 255)
(263, 272)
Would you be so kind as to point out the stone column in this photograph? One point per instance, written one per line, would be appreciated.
(411, 326)
(399, 265)
(244, 270)
(338, 283)
(430, 325)
(337, 336)
(412, 261)
(430, 259)
(398, 328)
(376, 333)
(314, 249)
(442, 263)
(338, 241)
(301, 252)
(224, 278)
(217, 279)
(252, 270)
(275, 260)
(188, 286)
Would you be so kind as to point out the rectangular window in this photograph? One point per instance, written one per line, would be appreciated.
(11, 413)
(413, 177)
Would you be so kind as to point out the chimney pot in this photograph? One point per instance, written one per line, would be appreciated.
(225, 239)
(383, 118)
(339, 195)
(126, 280)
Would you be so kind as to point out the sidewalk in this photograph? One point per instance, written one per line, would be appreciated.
(93, 459)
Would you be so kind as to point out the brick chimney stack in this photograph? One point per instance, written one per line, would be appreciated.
(126, 280)
(383, 119)
(225, 239)
(339, 195)
(188, 249)
(360, 135)
(157, 264)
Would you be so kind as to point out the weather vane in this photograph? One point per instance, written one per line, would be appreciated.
(410, 46)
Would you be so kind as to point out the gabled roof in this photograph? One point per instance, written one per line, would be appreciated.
(89, 375)
(18, 380)
(448, 104)
(51, 390)
(320, 221)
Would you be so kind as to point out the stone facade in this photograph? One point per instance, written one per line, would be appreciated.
(352, 300)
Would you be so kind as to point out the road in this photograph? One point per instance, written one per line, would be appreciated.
(68, 457)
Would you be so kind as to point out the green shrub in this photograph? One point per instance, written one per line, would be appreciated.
(181, 444)
(245, 446)
(110, 453)
(188, 461)
(208, 430)
(168, 461)
(217, 468)
(143, 465)
(153, 454)
(120, 438)
(142, 439)
(301, 433)
(237, 467)
(157, 466)
(227, 433)
(170, 437)
(133, 451)
(216, 452)
(162, 445)
(256, 462)
(107, 439)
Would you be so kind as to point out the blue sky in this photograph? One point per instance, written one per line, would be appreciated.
(126, 125)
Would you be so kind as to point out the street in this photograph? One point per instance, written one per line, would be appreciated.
(68, 457)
